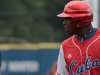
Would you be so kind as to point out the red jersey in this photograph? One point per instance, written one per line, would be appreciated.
(80, 58)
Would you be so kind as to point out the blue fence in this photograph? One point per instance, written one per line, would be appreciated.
(27, 61)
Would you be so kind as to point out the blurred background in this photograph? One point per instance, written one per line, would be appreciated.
(31, 34)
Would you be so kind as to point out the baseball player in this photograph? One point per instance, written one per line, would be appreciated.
(80, 53)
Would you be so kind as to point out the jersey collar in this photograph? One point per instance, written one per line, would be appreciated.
(88, 36)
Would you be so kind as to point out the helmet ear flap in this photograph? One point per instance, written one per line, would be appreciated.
(81, 21)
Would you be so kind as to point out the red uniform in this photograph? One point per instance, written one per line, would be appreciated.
(78, 57)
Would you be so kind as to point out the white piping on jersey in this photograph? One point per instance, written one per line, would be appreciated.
(89, 46)
(86, 49)
(78, 48)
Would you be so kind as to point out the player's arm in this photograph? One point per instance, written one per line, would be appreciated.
(61, 65)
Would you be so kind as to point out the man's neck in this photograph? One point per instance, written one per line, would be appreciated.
(85, 31)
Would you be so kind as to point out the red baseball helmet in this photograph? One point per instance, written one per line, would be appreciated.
(79, 11)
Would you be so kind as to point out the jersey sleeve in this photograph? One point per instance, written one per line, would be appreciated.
(61, 65)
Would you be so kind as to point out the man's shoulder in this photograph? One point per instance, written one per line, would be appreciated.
(98, 31)
(67, 41)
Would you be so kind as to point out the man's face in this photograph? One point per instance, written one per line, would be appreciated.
(69, 27)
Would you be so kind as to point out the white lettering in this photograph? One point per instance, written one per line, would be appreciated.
(21, 66)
